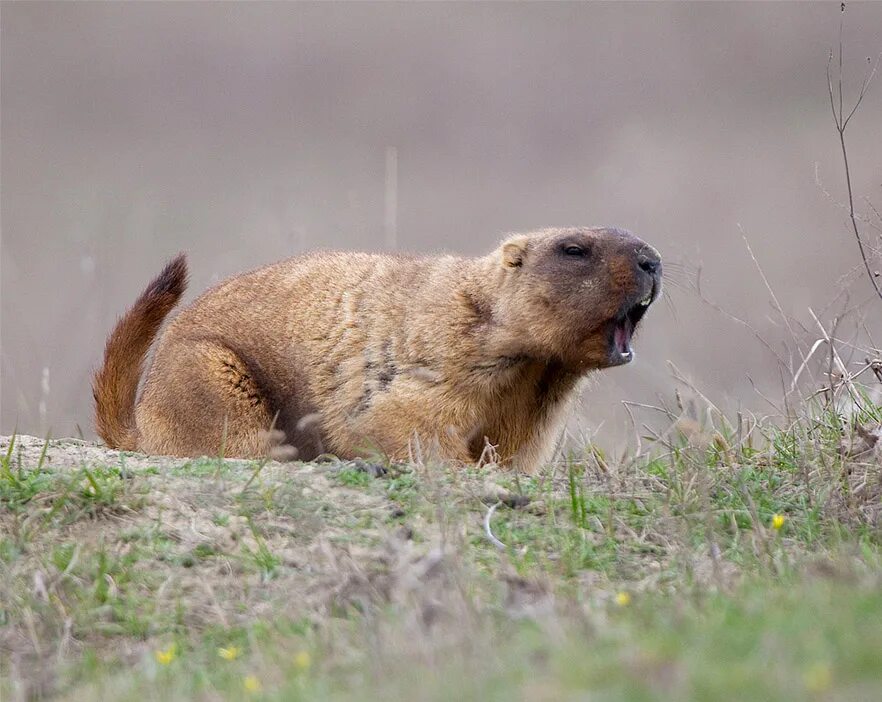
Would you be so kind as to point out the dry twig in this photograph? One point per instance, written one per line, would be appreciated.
(841, 122)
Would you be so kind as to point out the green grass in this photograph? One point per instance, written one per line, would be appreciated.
(709, 568)
(815, 639)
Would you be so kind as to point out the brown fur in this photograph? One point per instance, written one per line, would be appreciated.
(350, 353)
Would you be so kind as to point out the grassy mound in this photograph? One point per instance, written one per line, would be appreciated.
(729, 562)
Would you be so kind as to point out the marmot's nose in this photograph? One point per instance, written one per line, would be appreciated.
(649, 260)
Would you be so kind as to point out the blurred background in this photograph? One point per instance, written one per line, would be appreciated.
(243, 133)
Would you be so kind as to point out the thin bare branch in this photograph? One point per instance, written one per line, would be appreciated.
(841, 124)
(871, 73)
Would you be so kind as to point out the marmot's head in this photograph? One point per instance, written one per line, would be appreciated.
(577, 295)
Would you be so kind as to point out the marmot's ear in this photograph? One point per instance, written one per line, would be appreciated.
(513, 251)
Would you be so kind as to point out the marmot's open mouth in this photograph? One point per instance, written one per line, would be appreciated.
(623, 330)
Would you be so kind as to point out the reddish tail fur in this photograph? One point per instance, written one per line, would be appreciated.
(115, 385)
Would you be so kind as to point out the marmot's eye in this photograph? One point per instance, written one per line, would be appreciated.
(574, 251)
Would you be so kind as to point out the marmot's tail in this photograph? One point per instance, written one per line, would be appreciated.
(115, 385)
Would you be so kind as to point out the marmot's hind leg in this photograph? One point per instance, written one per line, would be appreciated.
(201, 398)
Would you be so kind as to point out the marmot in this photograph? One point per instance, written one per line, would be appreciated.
(351, 353)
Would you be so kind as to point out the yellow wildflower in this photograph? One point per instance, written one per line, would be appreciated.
(167, 656)
(623, 599)
(818, 677)
(252, 684)
(777, 521)
(229, 654)
(302, 660)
